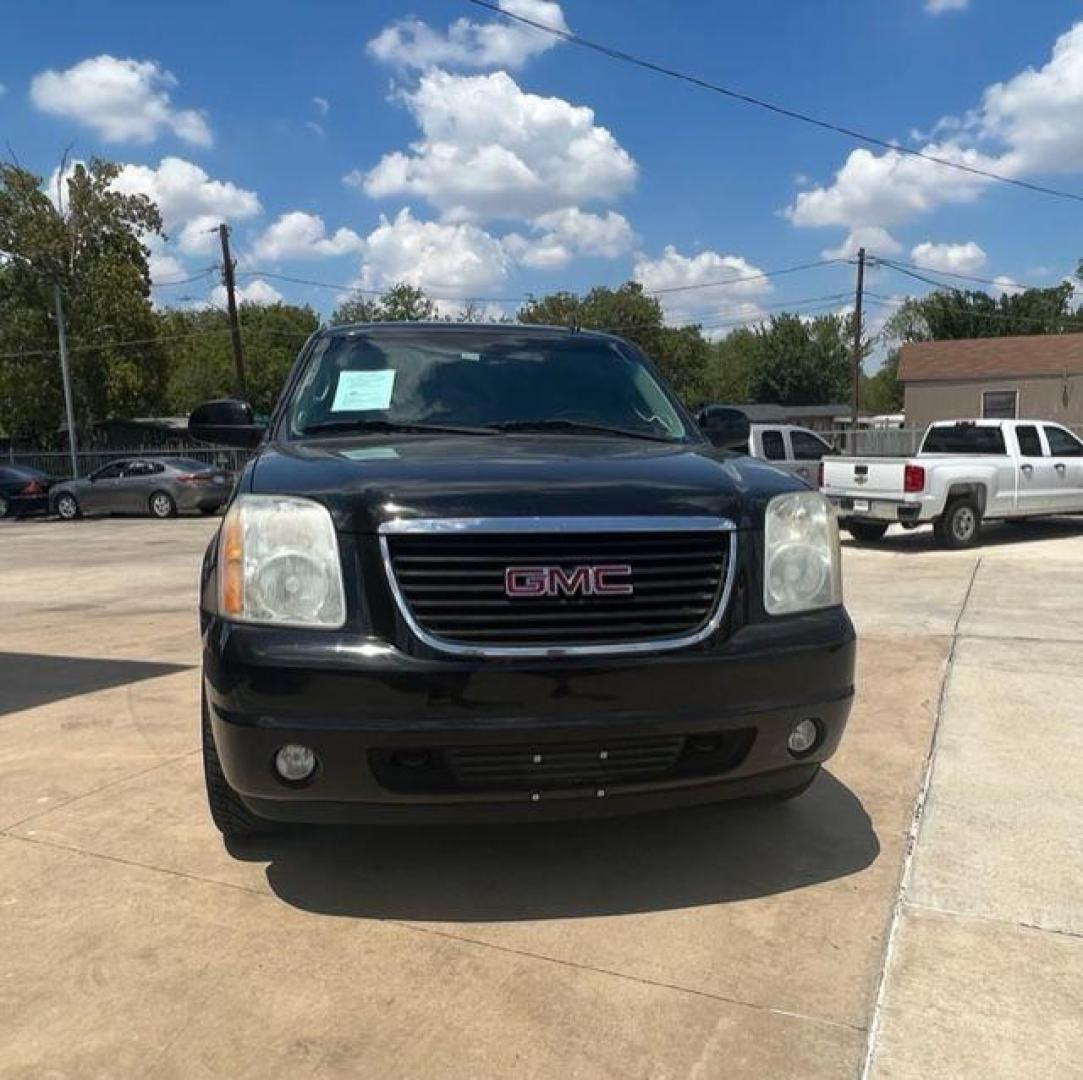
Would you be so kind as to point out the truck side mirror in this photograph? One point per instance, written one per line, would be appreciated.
(725, 426)
(225, 422)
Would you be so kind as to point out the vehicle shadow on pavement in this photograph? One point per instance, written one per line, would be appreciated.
(994, 534)
(28, 680)
(652, 862)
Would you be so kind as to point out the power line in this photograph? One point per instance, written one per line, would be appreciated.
(902, 267)
(185, 281)
(527, 298)
(996, 316)
(760, 103)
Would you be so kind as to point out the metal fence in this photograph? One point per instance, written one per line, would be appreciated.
(878, 442)
(58, 464)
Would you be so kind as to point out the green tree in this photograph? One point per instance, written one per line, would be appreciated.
(201, 358)
(795, 361)
(681, 353)
(958, 313)
(882, 392)
(401, 303)
(90, 242)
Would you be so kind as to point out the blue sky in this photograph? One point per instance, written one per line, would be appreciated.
(483, 160)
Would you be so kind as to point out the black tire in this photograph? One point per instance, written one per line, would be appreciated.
(867, 532)
(960, 524)
(161, 505)
(793, 792)
(233, 819)
(67, 507)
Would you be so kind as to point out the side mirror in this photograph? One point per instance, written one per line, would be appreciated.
(225, 422)
(725, 426)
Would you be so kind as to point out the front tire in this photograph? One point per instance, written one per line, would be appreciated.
(67, 507)
(233, 819)
(867, 532)
(161, 505)
(960, 524)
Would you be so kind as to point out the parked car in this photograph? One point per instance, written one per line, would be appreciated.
(495, 572)
(159, 486)
(793, 449)
(966, 472)
(23, 491)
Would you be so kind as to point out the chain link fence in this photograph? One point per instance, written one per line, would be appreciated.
(58, 464)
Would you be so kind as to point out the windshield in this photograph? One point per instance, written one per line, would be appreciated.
(496, 380)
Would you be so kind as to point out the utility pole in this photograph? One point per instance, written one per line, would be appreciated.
(65, 374)
(231, 304)
(858, 300)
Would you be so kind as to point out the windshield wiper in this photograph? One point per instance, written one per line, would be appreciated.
(328, 426)
(580, 425)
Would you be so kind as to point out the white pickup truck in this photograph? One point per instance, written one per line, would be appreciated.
(966, 472)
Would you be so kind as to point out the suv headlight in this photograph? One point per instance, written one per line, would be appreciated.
(278, 563)
(802, 564)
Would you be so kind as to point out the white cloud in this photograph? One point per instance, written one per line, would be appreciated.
(673, 270)
(3, 89)
(872, 238)
(191, 202)
(1025, 126)
(411, 43)
(298, 235)
(938, 7)
(1007, 286)
(890, 188)
(323, 106)
(955, 258)
(562, 235)
(490, 150)
(459, 259)
(315, 128)
(165, 268)
(256, 291)
(124, 100)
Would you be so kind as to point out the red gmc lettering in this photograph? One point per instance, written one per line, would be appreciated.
(578, 581)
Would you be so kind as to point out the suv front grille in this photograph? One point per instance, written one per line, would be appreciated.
(452, 586)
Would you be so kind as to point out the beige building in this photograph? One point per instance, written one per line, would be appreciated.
(1039, 377)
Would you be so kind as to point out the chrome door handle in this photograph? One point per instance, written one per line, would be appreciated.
(1028, 469)
(1059, 467)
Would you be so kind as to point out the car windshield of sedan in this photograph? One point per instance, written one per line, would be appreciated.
(496, 381)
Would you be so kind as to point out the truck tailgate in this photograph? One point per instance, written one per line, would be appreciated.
(865, 476)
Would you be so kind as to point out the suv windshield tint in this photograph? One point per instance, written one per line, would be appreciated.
(964, 439)
(479, 379)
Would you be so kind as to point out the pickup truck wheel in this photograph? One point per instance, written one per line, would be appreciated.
(960, 524)
(233, 819)
(867, 532)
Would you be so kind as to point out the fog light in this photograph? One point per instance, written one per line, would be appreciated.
(804, 735)
(295, 763)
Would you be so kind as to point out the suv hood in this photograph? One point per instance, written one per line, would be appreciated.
(367, 481)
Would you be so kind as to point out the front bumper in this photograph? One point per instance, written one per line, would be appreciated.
(26, 505)
(371, 712)
(861, 508)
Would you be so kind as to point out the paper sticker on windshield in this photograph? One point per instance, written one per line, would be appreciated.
(470, 356)
(363, 391)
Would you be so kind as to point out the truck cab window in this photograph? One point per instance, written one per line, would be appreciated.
(773, 447)
(807, 447)
(1029, 443)
(1063, 443)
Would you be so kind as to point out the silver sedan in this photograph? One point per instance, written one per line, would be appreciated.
(161, 487)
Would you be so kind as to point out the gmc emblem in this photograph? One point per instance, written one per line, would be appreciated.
(578, 581)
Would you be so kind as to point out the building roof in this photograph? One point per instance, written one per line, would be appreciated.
(768, 413)
(992, 358)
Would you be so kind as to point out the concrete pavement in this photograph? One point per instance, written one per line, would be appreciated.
(729, 941)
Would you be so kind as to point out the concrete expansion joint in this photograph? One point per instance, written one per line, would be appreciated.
(918, 813)
(1015, 924)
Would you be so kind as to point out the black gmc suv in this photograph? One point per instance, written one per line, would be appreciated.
(499, 572)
